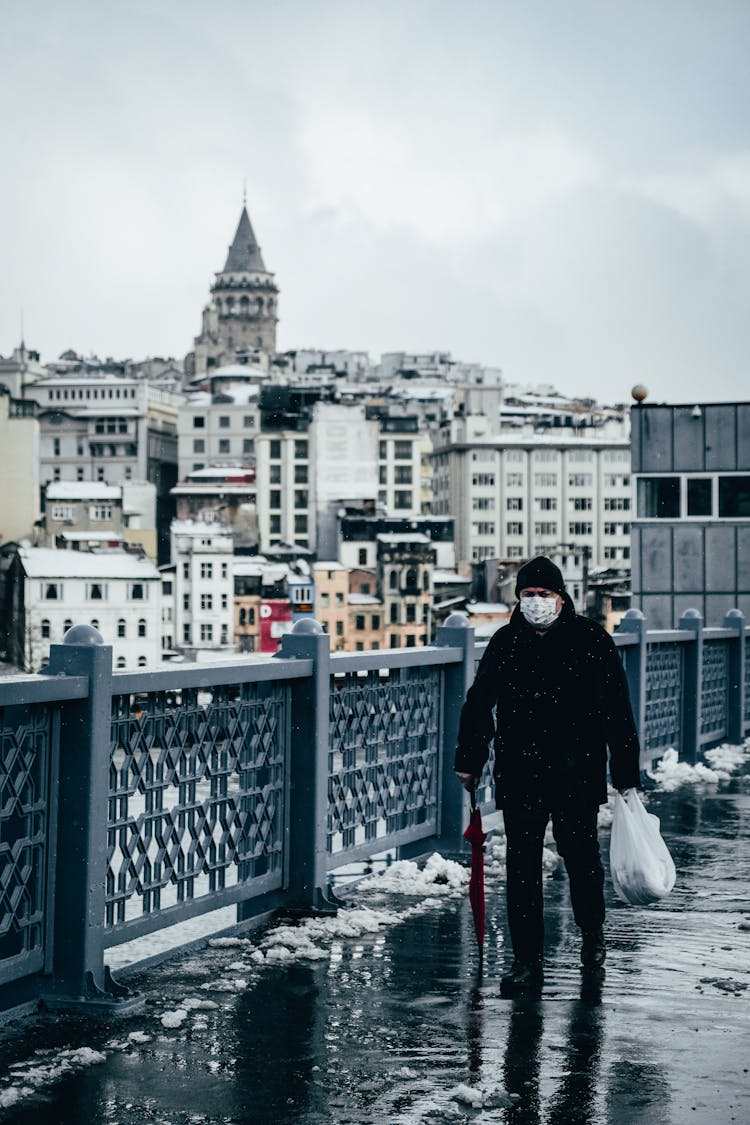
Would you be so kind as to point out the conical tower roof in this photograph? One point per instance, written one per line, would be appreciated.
(244, 254)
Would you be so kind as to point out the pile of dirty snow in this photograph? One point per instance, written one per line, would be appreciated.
(724, 760)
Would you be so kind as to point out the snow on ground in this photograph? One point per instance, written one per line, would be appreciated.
(724, 760)
(43, 1068)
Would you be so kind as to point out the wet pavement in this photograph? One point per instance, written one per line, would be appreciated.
(404, 1026)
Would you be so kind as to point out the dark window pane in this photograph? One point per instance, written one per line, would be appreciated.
(659, 498)
(699, 497)
(734, 497)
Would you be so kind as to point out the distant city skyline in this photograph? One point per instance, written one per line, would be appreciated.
(560, 192)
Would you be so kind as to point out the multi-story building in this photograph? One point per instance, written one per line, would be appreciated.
(240, 319)
(80, 514)
(47, 591)
(217, 428)
(204, 586)
(19, 468)
(366, 625)
(224, 496)
(400, 484)
(404, 574)
(518, 494)
(20, 370)
(332, 600)
(97, 425)
(691, 534)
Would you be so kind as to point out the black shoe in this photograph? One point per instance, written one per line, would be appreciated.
(593, 949)
(524, 977)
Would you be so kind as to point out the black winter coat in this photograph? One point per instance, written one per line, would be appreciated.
(561, 699)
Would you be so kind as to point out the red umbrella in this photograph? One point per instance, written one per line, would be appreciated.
(476, 837)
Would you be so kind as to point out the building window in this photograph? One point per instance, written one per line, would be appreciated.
(199, 421)
(63, 512)
(300, 498)
(402, 500)
(166, 587)
(411, 613)
(142, 627)
(100, 512)
(734, 497)
(274, 498)
(274, 474)
(580, 480)
(325, 600)
(411, 640)
(46, 631)
(79, 473)
(121, 663)
(362, 556)
(96, 591)
(67, 624)
(545, 527)
(249, 421)
(274, 525)
(402, 450)
(225, 570)
(207, 601)
(583, 504)
(121, 627)
(225, 601)
(402, 474)
(514, 529)
(339, 628)
(514, 480)
(53, 591)
(376, 620)
(300, 449)
(248, 445)
(300, 525)
(137, 592)
(186, 570)
(547, 504)
(580, 529)
(622, 503)
(224, 445)
(545, 480)
(514, 504)
(394, 613)
(141, 661)
(300, 474)
(224, 421)
(659, 498)
(339, 598)
(383, 450)
(186, 634)
(207, 632)
(207, 570)
(199, 445)
(275, 450)
(359, 621)
(483, 480)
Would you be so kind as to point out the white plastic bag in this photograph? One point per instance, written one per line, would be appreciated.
(642, 868)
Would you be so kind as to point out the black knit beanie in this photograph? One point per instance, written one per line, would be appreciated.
(540, 571)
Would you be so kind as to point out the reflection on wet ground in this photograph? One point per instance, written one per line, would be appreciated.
(407, 1027)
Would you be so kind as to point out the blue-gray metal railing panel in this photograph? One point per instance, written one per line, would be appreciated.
(714, 704)
(664, 702)
(197, 800)
(29, 743)
(383, 757)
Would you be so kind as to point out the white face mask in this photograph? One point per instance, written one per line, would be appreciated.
(539, 612)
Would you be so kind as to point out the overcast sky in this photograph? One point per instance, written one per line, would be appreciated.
(561, 189)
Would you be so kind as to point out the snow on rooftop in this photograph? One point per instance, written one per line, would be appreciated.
(199, 527)
(91, 536)
(449, 576)
(392, 537)
(364, 599)
(322, 565)
(45, 562)
(82, 490)
(487, 607)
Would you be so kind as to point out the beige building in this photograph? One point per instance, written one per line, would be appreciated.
(19, 468)
(405, 566)
(332, 601)
(365, 631)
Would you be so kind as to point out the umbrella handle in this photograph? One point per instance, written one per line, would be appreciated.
(473, 798)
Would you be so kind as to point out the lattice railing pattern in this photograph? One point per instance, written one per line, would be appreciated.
(196, 795)
(715, 691)
(664, 672)
(383, 754)
(25, 750)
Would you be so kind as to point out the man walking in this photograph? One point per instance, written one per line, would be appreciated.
(561, 700)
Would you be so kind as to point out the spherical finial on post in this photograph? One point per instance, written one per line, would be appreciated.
(83, 635)
(456, 620)
(639, 392)
(307, 626)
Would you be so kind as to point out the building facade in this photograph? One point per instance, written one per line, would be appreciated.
(691, 534)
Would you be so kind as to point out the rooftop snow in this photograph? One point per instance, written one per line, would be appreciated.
(364, 599)
(449, 576)
(82, 490)
(391, 537)
(44, 562)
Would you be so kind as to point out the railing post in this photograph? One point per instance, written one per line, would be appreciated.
(735, 621)
(692, 686)
(458, 678)
(306, 836)
(635, 669)
(79, 976)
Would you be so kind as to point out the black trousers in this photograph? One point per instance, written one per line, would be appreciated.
(577, 840)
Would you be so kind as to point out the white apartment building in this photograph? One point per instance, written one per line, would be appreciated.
(115, 591)
(401, 482)
(203, 589)
(218, 429)
(516, 495)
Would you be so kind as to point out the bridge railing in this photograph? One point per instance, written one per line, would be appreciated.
(133, 801)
